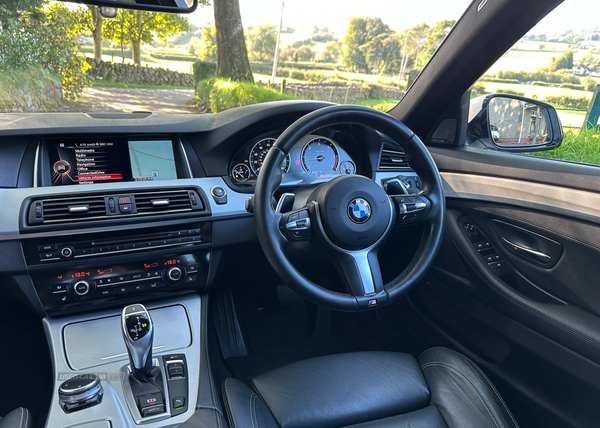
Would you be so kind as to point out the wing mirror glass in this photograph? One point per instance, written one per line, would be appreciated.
(513, 123)
(169, 6)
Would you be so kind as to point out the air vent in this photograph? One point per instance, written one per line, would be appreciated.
(175, 201)
(392, 158)
(62, 210)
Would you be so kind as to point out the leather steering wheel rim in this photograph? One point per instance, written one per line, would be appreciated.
(268, 220)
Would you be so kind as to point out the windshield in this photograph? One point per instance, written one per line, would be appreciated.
(66, 57)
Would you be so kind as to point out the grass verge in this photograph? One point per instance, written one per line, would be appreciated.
(579, 145)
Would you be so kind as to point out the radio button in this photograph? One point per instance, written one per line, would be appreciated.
(194, 231)
(100, 250)
(119, 247)
(194, 239)
(83, 251)
(66, 252)
(165, 241)
(50, 247)
(179, 240)
(48, 255)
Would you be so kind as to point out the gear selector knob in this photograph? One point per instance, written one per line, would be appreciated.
(138, 334)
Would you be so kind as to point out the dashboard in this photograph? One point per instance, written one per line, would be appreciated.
(102, 210)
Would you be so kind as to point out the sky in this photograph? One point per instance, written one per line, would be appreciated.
(398, 14)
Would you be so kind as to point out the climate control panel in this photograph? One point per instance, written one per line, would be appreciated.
(63, 289)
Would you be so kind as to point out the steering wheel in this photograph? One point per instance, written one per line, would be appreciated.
(350, 216)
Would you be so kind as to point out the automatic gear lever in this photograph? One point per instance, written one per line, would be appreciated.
(138, 334)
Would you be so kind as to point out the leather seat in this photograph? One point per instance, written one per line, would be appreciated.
(369, 389)
(18, 418)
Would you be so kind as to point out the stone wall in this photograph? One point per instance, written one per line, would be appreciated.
(338, 94)
(129, 73)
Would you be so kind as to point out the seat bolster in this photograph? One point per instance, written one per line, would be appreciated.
(205, 417)
(343, 389)
(462, 392)
(18, 418)
(244, 408)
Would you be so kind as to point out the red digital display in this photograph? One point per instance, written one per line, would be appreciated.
(81, 274)
(151, 265)
(173, 262)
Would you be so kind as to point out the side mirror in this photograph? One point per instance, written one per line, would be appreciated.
(168, 6)
(514, 124)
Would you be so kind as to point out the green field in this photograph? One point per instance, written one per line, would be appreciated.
(530, 90)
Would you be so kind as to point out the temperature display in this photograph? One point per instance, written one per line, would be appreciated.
(173, 262)
(81, 274)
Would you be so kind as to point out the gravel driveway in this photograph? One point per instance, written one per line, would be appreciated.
(105, 99)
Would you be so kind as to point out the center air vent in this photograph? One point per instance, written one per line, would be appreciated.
(174, 201)
(392, 158)
(73, 209)
(123, 206)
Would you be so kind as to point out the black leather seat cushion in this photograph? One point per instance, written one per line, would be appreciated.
(339, 390)
(369, 389)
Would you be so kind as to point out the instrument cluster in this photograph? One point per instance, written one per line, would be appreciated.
(314, 159)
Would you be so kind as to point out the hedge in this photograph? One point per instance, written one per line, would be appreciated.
(216, 95)
(174, 57)
(568, 101)
(29, 89)
(203, 70)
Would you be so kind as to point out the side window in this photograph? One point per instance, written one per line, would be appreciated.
(558, 63)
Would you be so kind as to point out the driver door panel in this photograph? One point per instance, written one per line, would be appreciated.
(518, 280)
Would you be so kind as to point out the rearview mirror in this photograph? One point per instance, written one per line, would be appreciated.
(513, 123)
(169, 6)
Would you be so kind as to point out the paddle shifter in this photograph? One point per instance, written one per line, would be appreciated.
(138, 334)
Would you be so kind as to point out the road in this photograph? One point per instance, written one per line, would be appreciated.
(105, 99)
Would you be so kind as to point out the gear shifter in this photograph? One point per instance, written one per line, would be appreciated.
(138, 334)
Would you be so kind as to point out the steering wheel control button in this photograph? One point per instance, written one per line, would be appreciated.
(80, 392)
(359, 210)
(410, 207)
(219, 194)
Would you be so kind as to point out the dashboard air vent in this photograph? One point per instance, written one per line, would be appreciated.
(392, 158)
(174, 201)
(62, 210)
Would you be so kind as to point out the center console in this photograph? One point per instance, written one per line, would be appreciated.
(138, 365)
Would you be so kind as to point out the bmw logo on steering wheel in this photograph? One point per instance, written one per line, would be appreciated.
(359, 210)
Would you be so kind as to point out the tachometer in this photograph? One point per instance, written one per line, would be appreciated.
(259, 153)
(320, 157)
(240, 172)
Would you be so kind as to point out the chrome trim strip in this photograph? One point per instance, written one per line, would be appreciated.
(185, 158)
(36, 164)
(504, 190)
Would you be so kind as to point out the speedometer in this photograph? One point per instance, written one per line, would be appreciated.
(259, 153)
(320, 157)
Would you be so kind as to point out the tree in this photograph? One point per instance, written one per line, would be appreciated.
(359, 32)
(562, 62)
(232, 59)
(262, 41)
(134, 27)
(46, 36)
(96, 30)
(208, 50)
(435, 36)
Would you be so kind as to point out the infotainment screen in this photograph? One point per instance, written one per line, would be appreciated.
(110, 161)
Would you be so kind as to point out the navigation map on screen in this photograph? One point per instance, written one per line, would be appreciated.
(152, 160)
